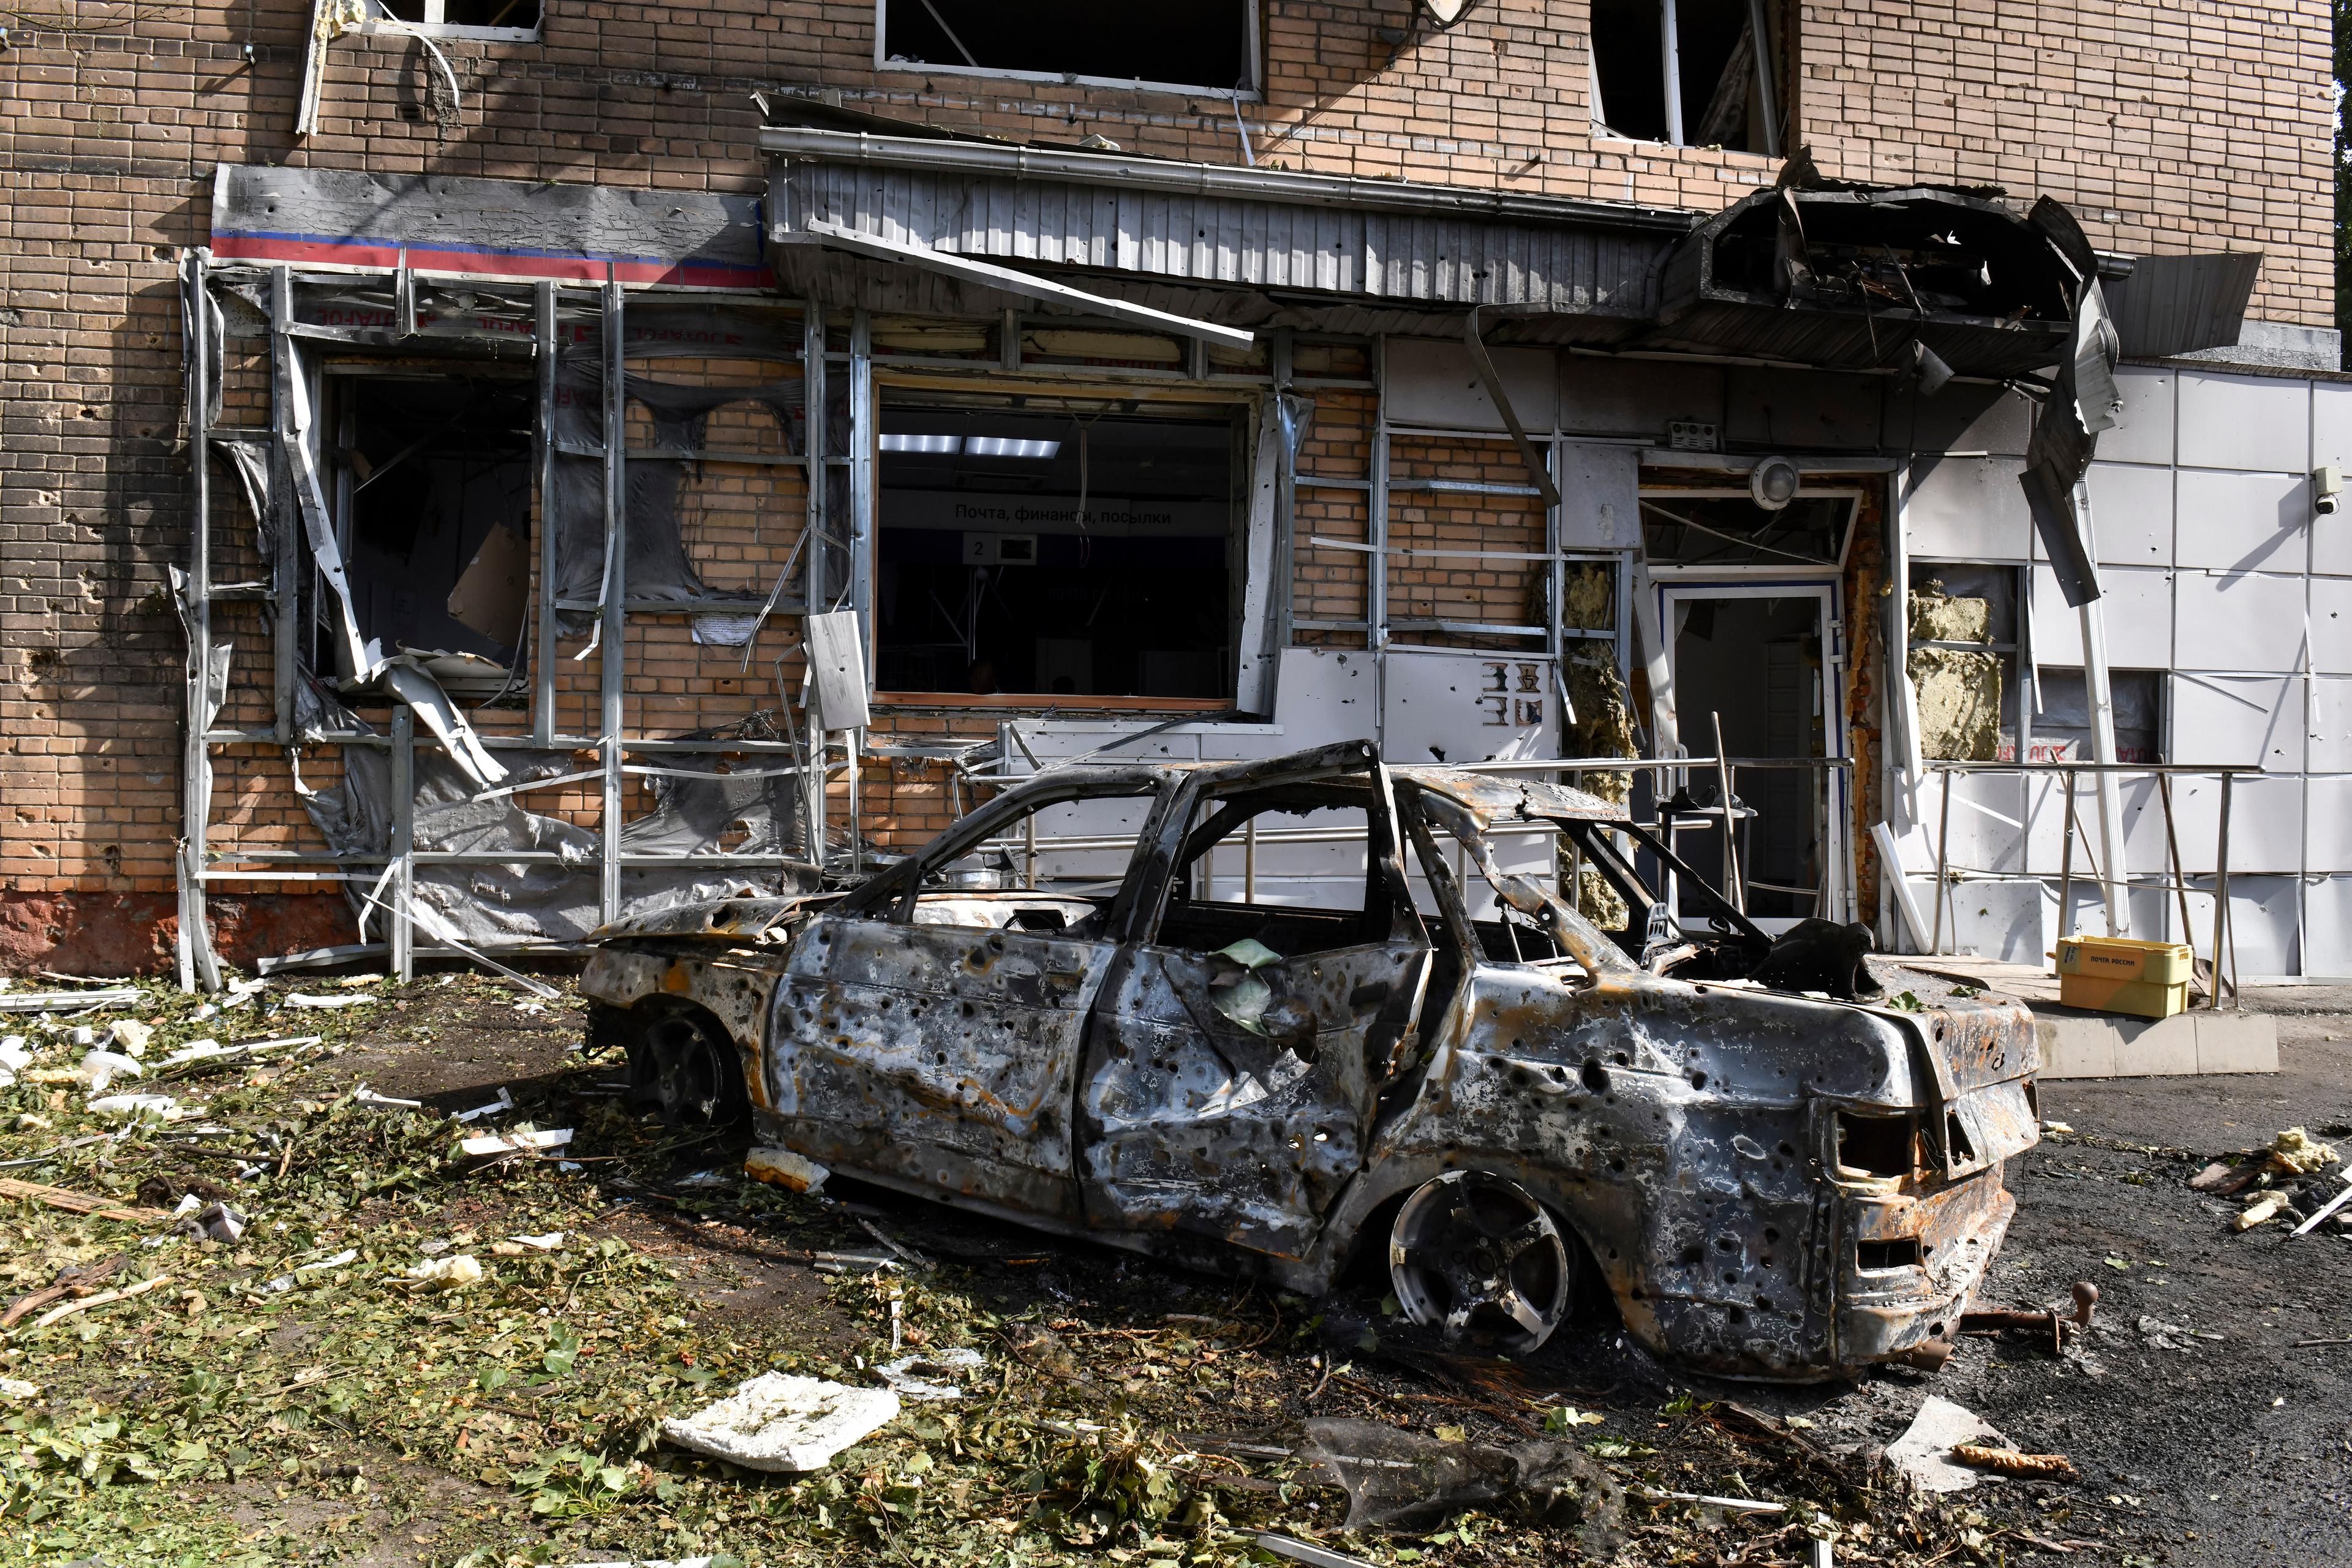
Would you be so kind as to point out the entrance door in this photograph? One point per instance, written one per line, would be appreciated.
(1239, 1049)
(1761, 660)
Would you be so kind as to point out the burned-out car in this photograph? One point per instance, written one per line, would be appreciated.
(1432, 1053)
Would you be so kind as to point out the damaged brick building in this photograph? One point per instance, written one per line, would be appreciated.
(475, 468)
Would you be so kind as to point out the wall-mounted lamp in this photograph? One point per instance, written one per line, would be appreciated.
(1773, 483)
(1445, 13)
(2326, 489)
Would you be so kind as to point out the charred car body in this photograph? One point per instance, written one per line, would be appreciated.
(1455, 1065)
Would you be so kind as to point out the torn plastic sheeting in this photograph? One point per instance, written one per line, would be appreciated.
(1393, 1476)
(493, 901)
(1923, 1451)
(924, 1377)
(656, 566)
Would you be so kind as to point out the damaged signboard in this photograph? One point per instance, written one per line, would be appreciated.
(1775, 1159)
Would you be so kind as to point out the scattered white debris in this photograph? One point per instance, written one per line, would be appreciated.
(102, 1068)
(364, 1095)
(303, 999)
(522, 1141)
(780, 1422)
(67, 1001)
(710, 1178)
(163, 1107)
(515, 1246)
(917, 1378)
(81, 1035)
(505, 1101)
(287, 1281)
(16, 1390)
(652, 1562)
(782, 1168)
(1924, 1450)
(133, 1036)
(449, 1273)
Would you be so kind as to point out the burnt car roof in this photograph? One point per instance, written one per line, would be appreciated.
(1490, 798)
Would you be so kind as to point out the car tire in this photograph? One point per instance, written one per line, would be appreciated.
(1477, 1258)
(684, 1066)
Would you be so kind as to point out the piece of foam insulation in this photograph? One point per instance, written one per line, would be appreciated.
(780, 1422)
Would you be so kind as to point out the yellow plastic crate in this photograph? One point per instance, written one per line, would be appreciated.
(2123, 974)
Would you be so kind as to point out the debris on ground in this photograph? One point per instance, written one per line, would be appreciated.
(1924, 1451)
(2259, 1210)
(924, 1377)
(779, 1422)
(1394, 1477)
(2009, 1462)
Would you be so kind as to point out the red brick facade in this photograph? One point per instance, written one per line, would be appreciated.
(2168, 128)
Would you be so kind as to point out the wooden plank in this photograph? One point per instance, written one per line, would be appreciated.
(78, 1202)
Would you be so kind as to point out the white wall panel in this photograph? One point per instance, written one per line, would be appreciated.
(1968, 508)
(2328, 805)
(1326, 695)
(2331, 424)
(2327, 927)
(2331, 541)
(1468, 708)
(2239, 521)
(2265, 824)
(2331, 624)
(2262, 921)
(2131, 514)
(1965, 419)
(2240, 621)
(1430, 382)
(2331, 725)
(2145, 434)
(2244, 422)
(2135, 605)
(2250, 720)
(1803, 411)
(2045, 818)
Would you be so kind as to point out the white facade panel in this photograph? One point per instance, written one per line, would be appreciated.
(1968, 508)
(2145, 434)
(2331, 624)
(1636, 397)
(1966, 419)
(2331, 725)
(2237, 621)
(2331, 424)
(2265, 824)
(2331, 541)
(2262, 924)
(2328, 830)
(2045, 818)
(2327, 927)
(1599, 496)
(2244, 422)
(1450, 706)
(1803, 411)
(2240, 720)
(1432, 383)
(2131, 514)
(2136, 606)
(2239, 521)
(1326, 695)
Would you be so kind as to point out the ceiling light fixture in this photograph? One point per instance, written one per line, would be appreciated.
(1007, 447)
(945, 446)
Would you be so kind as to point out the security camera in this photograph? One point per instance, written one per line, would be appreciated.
(2326, 489)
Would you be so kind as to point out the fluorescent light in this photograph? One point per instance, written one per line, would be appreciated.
(945, 445)
(1006, 447)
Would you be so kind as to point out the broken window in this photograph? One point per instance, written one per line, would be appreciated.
(1057, 552)
(501, 20)
(1688, 72)
(2062, 723)
(1963, 660)
(1204, 46)
(432, 480)
(1716, 528)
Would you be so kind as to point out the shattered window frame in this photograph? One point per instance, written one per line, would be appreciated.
(2005, 643)
(1752, 65)
(430, 25)
(1652, 491)
(1253, 55)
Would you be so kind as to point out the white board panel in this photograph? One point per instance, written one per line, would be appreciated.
(2261, 921)
(2131, 514)
(2244, 721)
(2331, 724)
(1430, 382)
(1446, 707)
(2327, 830)
(2331, 624)
(2145, 434)
(2136, 602)
(2045, 816)
(2239, 521)
(2244, 422)
(2237, 621)
(2265, 824)
(1326, 695)
(1600, 497)
(2327, 927)
(1968, 508)
(2331, 424)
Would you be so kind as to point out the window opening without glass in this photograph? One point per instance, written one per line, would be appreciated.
(1062, 552)
(1201, 46)
(1695, 73)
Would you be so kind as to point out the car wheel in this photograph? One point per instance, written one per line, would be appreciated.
(1477, 1258)
(686, 1068)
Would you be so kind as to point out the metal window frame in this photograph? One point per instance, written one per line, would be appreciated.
(1253, 60)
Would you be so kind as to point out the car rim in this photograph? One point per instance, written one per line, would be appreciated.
(1475, 1257)
(686, 1072)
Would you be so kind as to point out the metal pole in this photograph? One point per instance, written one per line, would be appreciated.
(543, 701)
(2221, 932)
(1029, 851)
(2101, 693)
(1943, 858)
(1375, 523)
(813, 593)
(612, 665)
(1249, 861)
(1767, 99)
(1670, 52)
(1735, 886)
(2067, 866)
(400, 938)
(2179, 879)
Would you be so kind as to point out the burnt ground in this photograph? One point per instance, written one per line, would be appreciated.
(2203, 1432)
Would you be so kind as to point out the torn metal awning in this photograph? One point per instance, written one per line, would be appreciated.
(1013, 281)
(352, 221)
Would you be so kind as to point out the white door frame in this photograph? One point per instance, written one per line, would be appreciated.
(1826, 593)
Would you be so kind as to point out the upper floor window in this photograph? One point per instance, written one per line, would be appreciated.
(1693, 73)
(1207, 46)
(512, 21)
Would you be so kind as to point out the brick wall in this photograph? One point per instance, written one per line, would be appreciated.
(2170, 128)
